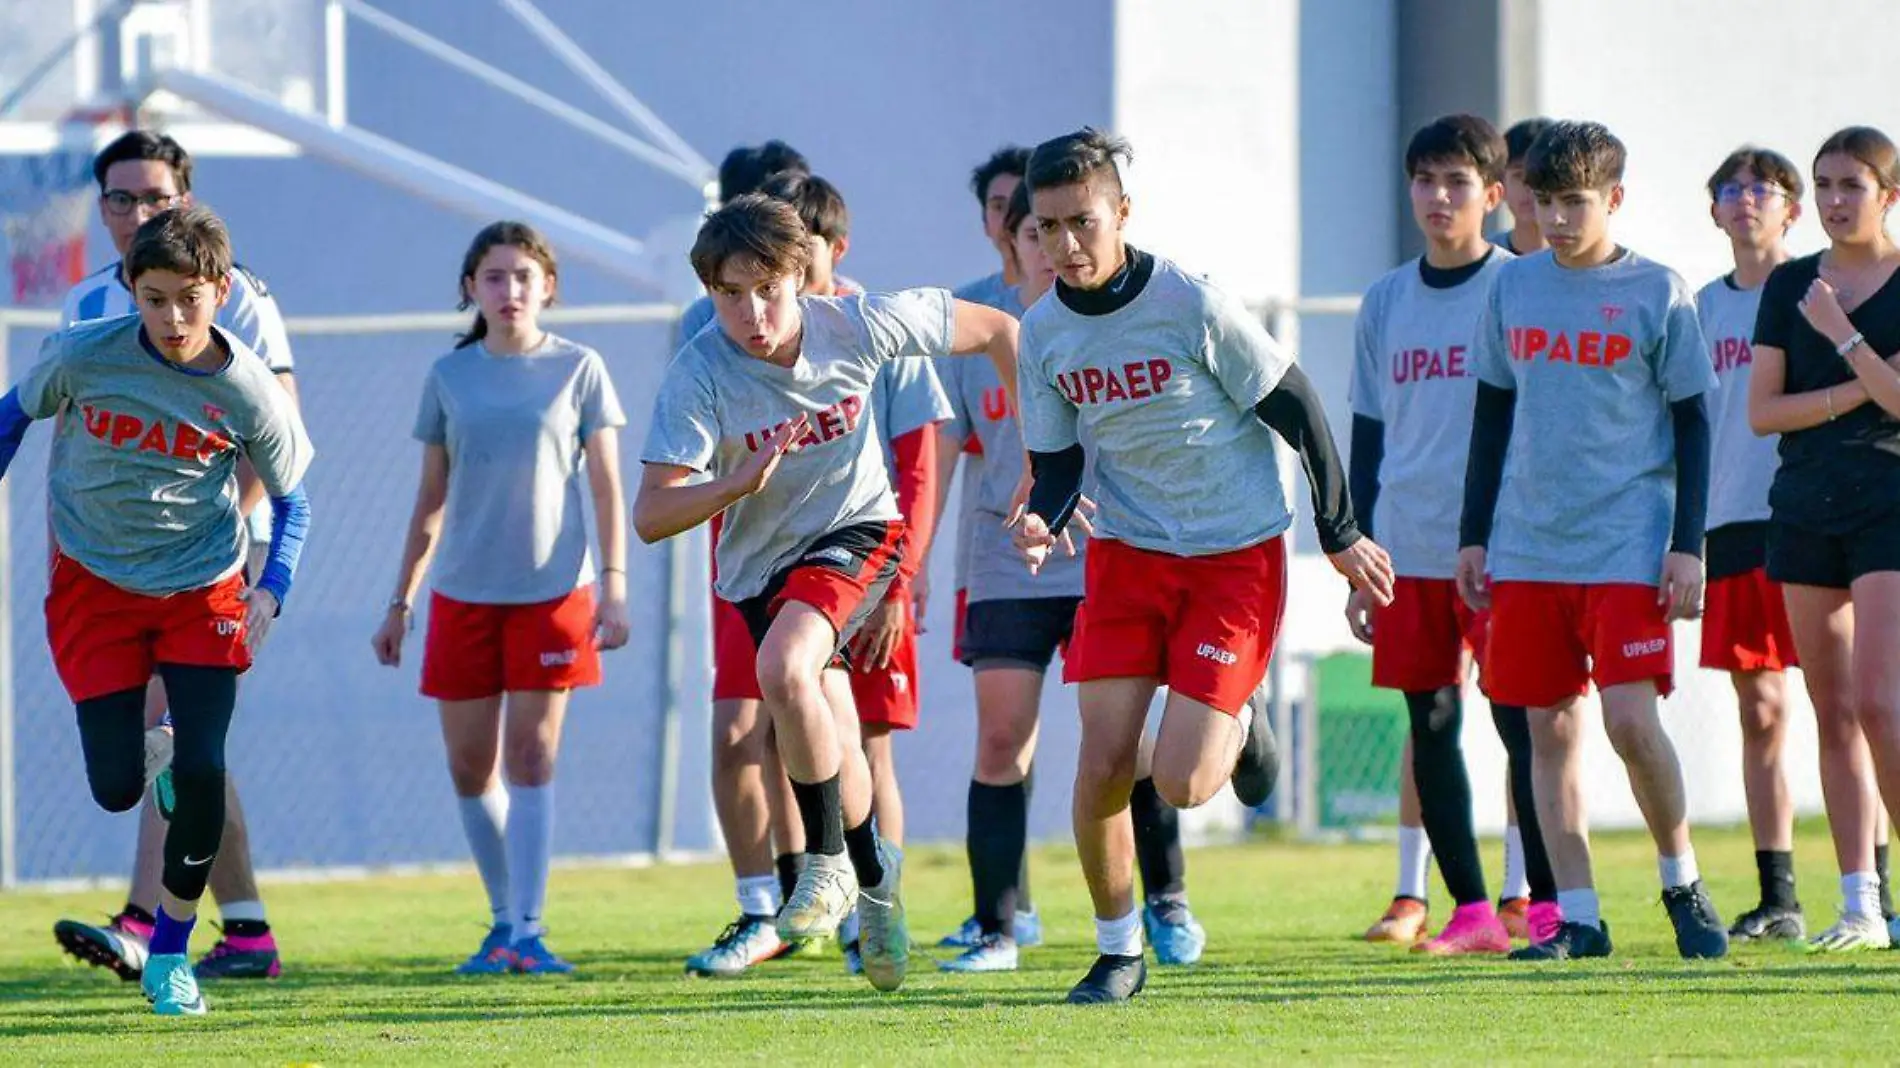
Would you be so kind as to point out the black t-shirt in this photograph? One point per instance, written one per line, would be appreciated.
(1835, 477)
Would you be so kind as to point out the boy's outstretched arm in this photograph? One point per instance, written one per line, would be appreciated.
(13, 424)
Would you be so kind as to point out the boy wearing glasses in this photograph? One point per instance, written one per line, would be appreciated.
(140, 175)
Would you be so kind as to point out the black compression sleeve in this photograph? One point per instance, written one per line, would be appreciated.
(1058, 485)
(1362, 469)
(1693, 446)
(1295, 413)
(1491, 423)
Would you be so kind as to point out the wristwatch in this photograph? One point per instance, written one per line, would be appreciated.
(398, 602)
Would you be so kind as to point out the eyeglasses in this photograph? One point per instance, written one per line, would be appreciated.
(120, 202)
(1761, 192)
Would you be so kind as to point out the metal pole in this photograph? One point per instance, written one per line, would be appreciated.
(9, 817)
(335, 72)
(1283, 324)
(672, 661)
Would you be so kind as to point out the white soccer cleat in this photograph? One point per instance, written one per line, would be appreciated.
(826, 891)
(883, 936)
(1854, 932)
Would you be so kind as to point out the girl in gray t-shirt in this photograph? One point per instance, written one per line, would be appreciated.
(511, 421)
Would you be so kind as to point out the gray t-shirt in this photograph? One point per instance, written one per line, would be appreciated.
(1596, 357)
(1413, 370)
(717, 405)
(695, 318)
(143, 475)
(1744, 463)
(991, 292)
(515, 427)
(1163, 389)
(996, 570)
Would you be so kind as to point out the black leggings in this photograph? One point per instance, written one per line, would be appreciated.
(1444, 792)
(112, 735)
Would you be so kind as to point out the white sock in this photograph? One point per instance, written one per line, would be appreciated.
(1415, 862)
(1860, 893)
(1516, 882)
(1580, 906)
(241, 911)
(1119, 938)
(530, 850)
(758, 894)
(482, 821)
(1678, 871)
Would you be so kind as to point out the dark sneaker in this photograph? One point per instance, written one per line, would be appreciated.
(1769, 923)
(118, 945)
(1111, 981)
(241, 957)
(1699, 931)
(1257, 769)
(1573, 941)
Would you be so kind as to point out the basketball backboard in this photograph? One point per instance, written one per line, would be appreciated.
(63, 63)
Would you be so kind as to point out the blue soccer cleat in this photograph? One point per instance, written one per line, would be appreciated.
(171, 987)
(495, 957)
(1178, 939)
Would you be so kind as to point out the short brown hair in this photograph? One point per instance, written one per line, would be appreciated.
(819, 204)
(1766, 163)
(753, 226)
(1870, 147)
(188, 241)
(1078, 157)
(1456, 140)
(1574, 155)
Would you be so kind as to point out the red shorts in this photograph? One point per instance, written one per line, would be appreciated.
(888, 695)
(1420, 639)
(735, 658)
(480, 650)
(1745, 625)
(1203, 625)
(1549, 640)
(106, 639)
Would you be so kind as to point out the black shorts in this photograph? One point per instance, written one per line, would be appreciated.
(843, 574)
(1018, 632)
(1798, 556)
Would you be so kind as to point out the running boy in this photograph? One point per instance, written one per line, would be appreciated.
(148, 577)
(1174, 386)
(141, 174)
(1755, 196)
(772, 406)
(1412, 386)
(511, 422)
(1590, 449)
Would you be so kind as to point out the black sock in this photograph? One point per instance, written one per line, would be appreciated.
(1023, 901)
(788, 866)
(1157, 842)
(1886, 890)
(1514, 729)
(1444, 790)
(823, 815)
(861, 843)
(999, 817)
(1775, 868)
(133, 912)
(246, 928)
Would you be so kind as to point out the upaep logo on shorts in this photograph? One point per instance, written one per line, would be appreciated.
(831, 554)
(560, 659)
(1632, 650)
(1210, 651)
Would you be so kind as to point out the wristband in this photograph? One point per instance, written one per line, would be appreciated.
(1850, 345)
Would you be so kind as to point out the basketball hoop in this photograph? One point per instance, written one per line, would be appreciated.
(46, 207)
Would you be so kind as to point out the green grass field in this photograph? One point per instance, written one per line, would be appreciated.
(367, 980)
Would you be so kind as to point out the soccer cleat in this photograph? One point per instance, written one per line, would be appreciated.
(1855, 931)
(1178, 939)
(746, 941)
(1257, 768)
(1700, 934)
(826, 891)
(1473, 929)
(495, 957)
(1111, 980)
(1028, 932)
(1573, 941)
(1542, 920)
(241, 957)
(1765, 923)
(171, 987)
(992, 953)
(1893, 931)
(883, 936)
(1514, 914)
(533, 957)
(120, 945)
(1405, 923)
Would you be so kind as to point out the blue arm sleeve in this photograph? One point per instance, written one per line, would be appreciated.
(290, 523)
(13, 424)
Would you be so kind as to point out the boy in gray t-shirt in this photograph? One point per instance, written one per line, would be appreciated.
(147, 578)
(1590, 448)
(773, 406)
